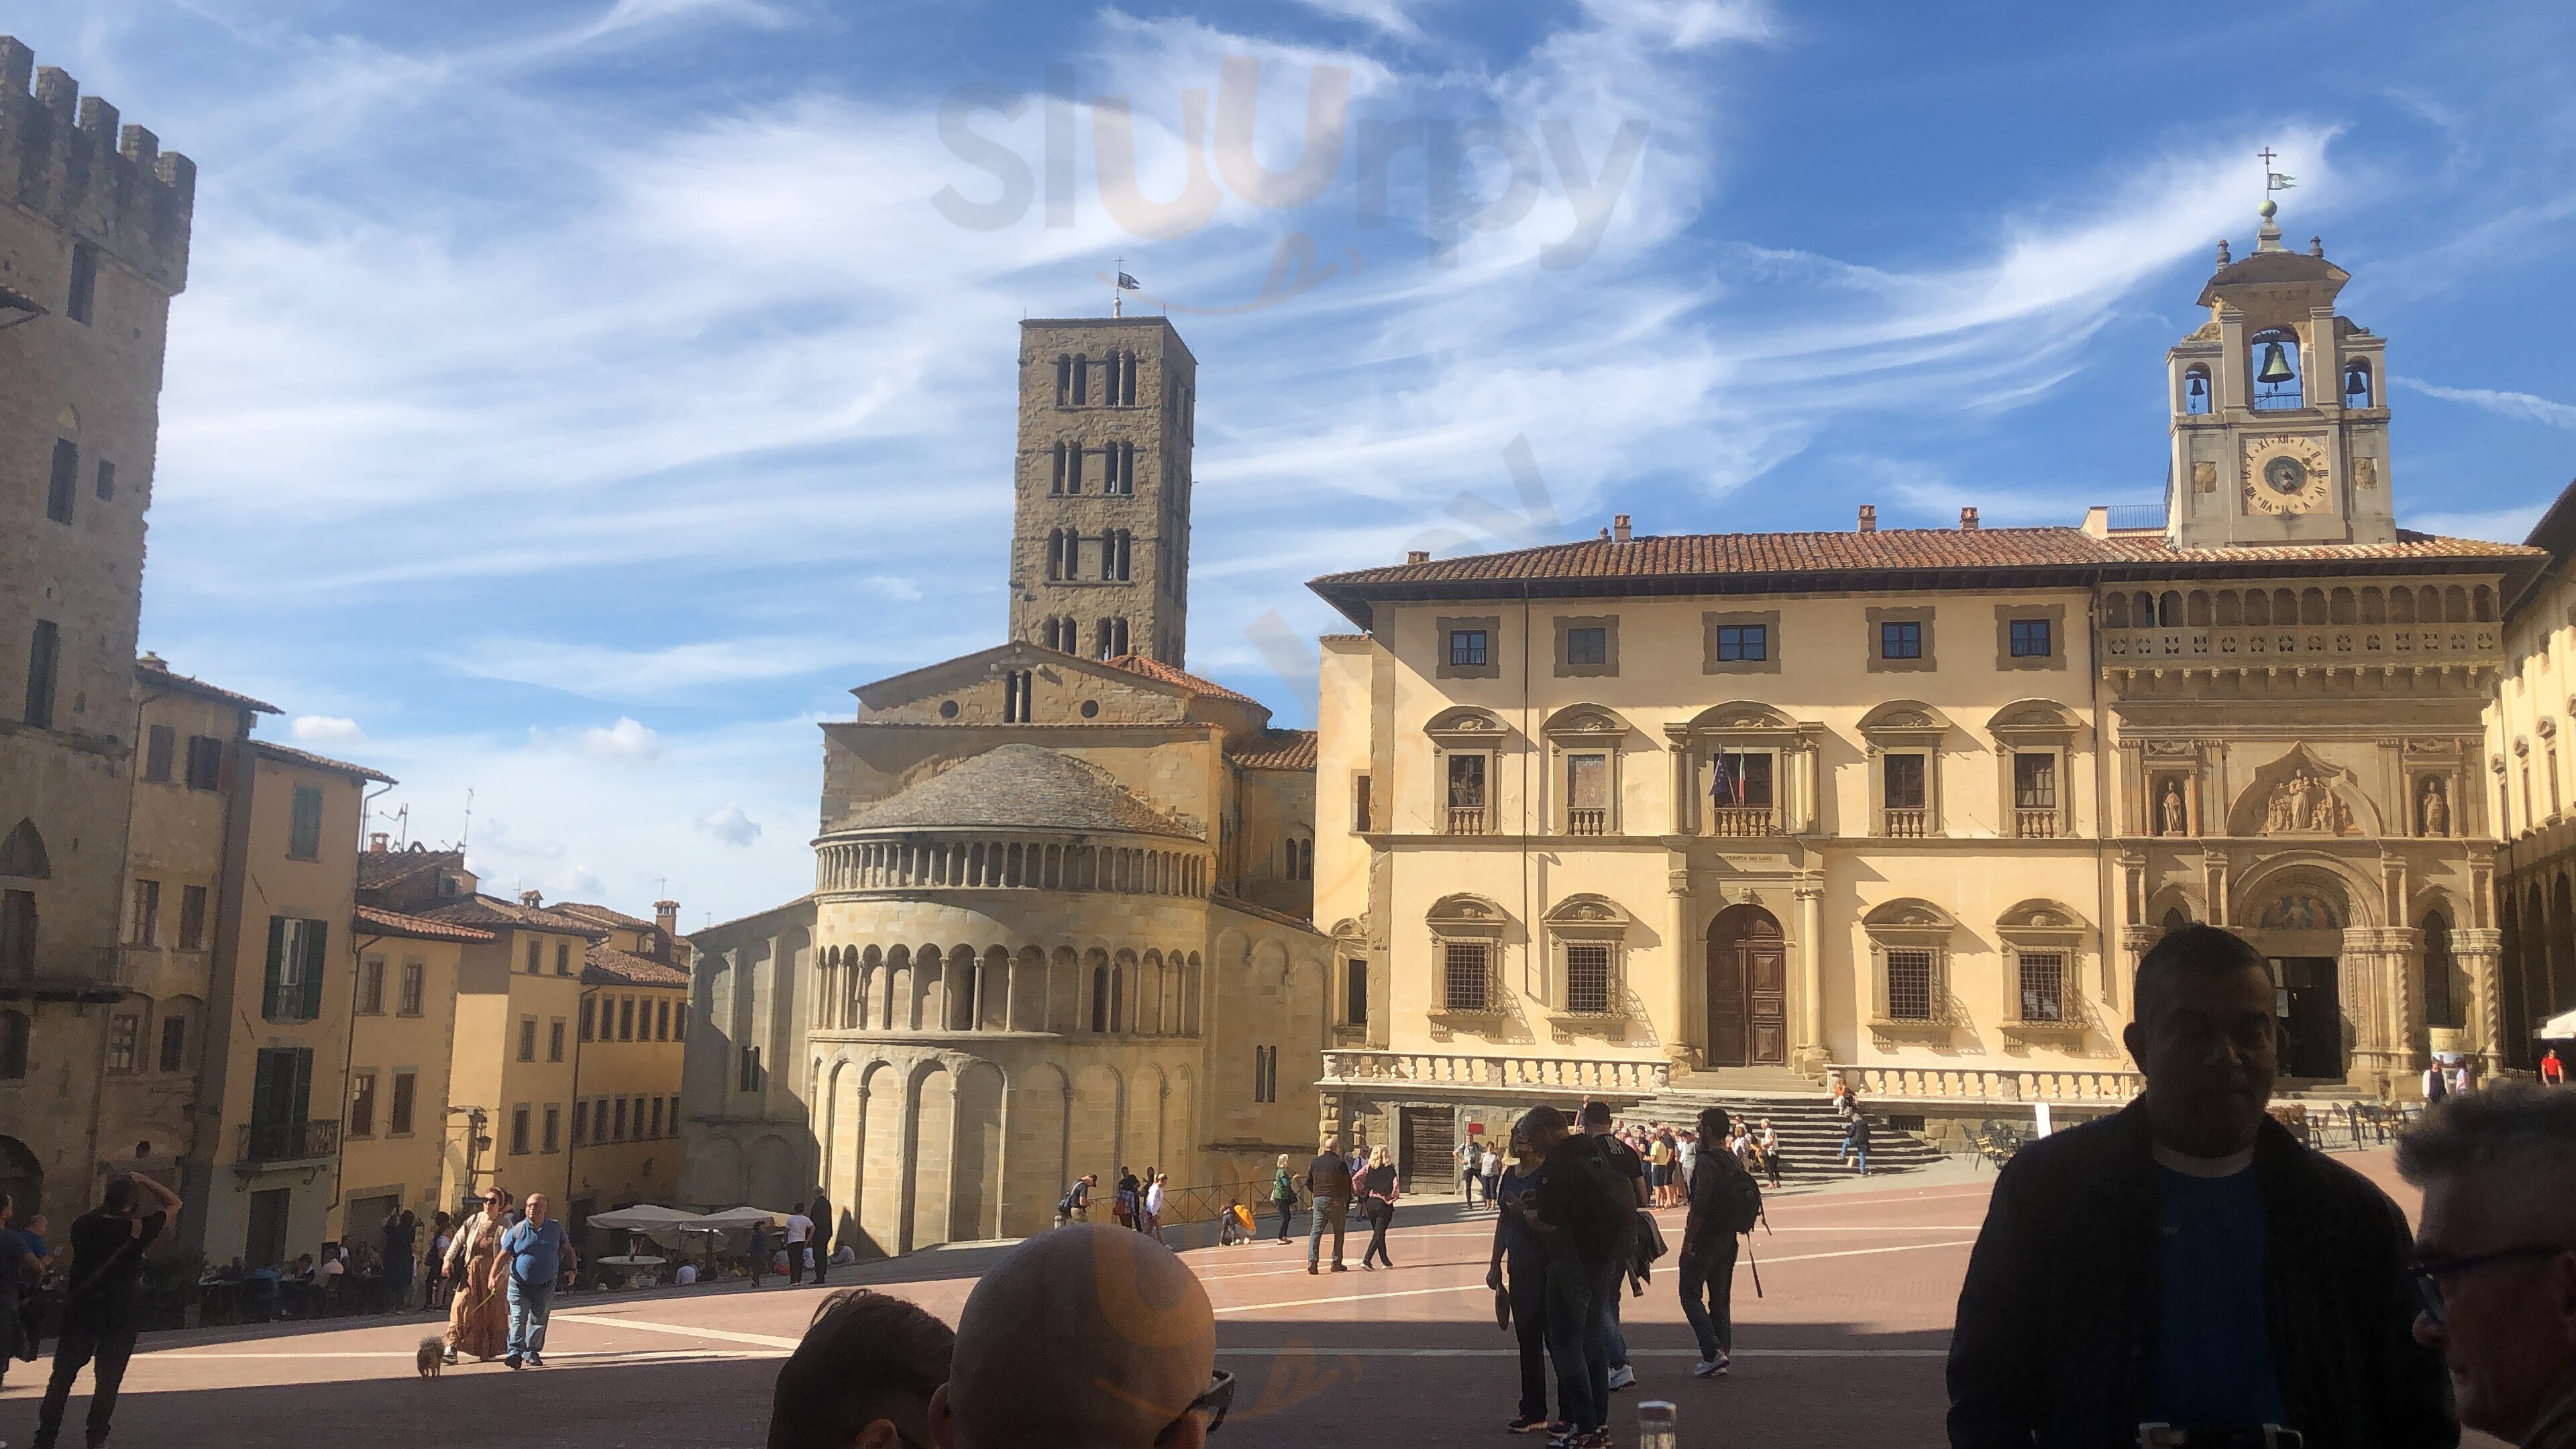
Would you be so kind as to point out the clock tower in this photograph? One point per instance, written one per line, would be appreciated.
(2280, 419)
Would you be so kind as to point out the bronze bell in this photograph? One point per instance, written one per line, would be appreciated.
(2196, 386)
(2276, 367)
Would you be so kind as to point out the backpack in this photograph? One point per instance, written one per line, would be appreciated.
(1601, 1207)
(1738, 1201)
(1064, 1204)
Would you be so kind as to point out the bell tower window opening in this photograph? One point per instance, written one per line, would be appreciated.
(1056, 484)
(1063, 380)
(2357, 391)
(1082, 382)
(2195, 391)
(2274, 356)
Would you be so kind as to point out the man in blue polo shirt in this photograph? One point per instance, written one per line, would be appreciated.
(538, 1250)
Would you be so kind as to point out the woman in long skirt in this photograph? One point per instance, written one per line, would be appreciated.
(478, 1316)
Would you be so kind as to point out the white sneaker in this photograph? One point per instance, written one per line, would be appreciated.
(1704, 1368)
(1623, 1377)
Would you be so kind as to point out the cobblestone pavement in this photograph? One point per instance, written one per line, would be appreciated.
(1843, 1347)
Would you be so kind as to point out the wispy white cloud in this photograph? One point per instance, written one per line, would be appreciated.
(325, 729)
(2520, 406)
(730, 825)
(626, 741)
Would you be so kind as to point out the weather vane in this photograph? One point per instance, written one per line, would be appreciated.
(2274, 180)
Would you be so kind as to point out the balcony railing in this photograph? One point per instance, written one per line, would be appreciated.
(1879, 1084)
(1906, 824)
(288, 1141)
(2035, 824)
(1546, 1074)
(1742, 820)
(1587, 822)
(2165, 645)
(1466, 819)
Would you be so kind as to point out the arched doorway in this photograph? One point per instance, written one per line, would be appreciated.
(2300, 932)
(22, 1178)
(1748, 989)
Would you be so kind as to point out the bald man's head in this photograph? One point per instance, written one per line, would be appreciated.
(1086, 1338)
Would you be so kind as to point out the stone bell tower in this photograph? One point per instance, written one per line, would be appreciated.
(1100, 537)
(2280, 415)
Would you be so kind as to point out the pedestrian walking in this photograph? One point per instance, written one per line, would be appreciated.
(1283, 1195)
(478, 1310)
(2187, 1260)
(1075, 1205)
(1153, 1203)
(535, 1251)
(1723, 1204)
(759, 1251)
(99, 1316)
(1518, 1270)
(1856, 1142)
(1470, 1157)
(1490, 1168)
(22, 1273)
(1377, 1194)
(1128, 1205)
(2553, 1072)
(1770, 1153)
(402, 1232)
(1622, 1159)
(800, 1242)
(1588, 1219)
(2437, 1085)
(1328, 1203)
(820, 1210)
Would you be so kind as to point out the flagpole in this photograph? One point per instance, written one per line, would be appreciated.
(1117, 303)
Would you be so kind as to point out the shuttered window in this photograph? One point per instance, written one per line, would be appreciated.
(304, 832)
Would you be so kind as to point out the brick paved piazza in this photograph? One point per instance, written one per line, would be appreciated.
(1845, 1348)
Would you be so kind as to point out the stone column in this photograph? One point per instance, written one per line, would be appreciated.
(2481, 955)
(2135, 942)
(1812, 1052)
(2372, 987)
(1682, 1044)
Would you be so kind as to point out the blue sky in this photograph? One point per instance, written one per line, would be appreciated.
(571, 402)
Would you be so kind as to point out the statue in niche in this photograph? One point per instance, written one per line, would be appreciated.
(2174, 817)
(2437, 814)
(2305, 804)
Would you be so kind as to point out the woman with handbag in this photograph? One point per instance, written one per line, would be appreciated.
(1377, 1201)
(1283, 1195)
(478, 1312)
(1517, 1246)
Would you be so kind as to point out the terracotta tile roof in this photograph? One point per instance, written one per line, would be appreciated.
(383, 867)
(151, 669)
(608, 966)
(1238, 903)
(1273, 750)
(1924, 557)
(603, 915)
(292, 756)
(1016, 786)
(483, 910)
(375, 920)
(1156, 669)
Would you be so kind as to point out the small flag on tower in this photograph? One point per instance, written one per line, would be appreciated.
(1127, 283)
(2275, 181)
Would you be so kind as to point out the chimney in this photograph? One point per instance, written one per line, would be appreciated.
(1869, 518)
(1968, 518)
(666, 915)
(377, 842)
(1619, 527)
(1418, 556)
(532, 899)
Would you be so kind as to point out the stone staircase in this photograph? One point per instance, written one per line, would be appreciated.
(1810, 1134)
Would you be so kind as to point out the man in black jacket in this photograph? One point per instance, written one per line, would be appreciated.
(2188, 1261)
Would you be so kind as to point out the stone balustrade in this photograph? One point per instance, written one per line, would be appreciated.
(1974, 1085)
(2303, 644)
(1378, 1068)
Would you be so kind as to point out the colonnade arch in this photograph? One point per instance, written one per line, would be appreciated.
(1122, 991)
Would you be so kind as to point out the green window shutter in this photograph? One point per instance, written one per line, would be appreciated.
(304, 835)
(269, 1004)
(315, 954)
(303, 1088)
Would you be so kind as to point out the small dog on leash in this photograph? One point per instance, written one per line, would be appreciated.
(432, 1354)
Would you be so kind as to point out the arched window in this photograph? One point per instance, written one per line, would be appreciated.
(2356, 384)
(1057, 486)
(1100, 999)
(1063, 379)
(1082, 382)
(1055, 553)
(1127, 379)
(22, 852)
(2272, 355)
(2169, 609)
(2195, 391)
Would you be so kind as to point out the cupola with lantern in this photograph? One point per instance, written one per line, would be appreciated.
(2280, 422)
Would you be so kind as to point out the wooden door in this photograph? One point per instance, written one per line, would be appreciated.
(1726, 1003)
(1423, 1161)
(1766, 990)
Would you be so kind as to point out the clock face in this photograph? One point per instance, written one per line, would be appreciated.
(2284, 474)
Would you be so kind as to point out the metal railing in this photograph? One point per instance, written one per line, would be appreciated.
(1466, 819)
(2135, 517)
(1587, 822)
(1906, 824)
(288, 1141)
(1743, 820)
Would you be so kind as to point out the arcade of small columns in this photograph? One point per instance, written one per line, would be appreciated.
(916, 864)
(1099, 990)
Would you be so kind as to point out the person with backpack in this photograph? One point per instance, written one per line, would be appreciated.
(100, 1319)
(1128, 1203)
(1724, 1203)
(1075, 1205)
(1587, 1216)
(1624, 1160)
